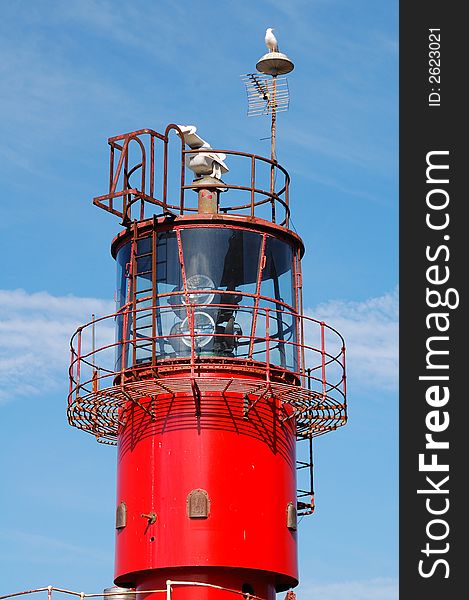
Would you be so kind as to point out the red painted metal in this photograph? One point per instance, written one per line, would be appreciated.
(206, 424)
(163, 457)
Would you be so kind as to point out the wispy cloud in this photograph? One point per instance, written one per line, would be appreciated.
(370, 329)
(371, 589)
(35, 330)
(49, 95)
(343, 187)
(43, 549)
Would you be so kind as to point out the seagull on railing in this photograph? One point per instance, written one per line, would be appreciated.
(202, 163)
(271, 40)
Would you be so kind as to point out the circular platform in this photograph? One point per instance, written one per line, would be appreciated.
(274, 63)
(102, 412)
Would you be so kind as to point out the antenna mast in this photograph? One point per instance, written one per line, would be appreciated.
(268, 93)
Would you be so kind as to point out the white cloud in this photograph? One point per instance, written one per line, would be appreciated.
(370, 329)
(35, 330)
(372, 589)
(44, 548)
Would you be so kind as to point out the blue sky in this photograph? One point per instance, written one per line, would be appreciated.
(75, 73)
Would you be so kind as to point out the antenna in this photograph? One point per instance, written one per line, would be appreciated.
(268, 93)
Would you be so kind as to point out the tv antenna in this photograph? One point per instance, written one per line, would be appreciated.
(267, 90)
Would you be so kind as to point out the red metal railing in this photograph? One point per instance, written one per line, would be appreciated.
(139, 181)
(103, 369)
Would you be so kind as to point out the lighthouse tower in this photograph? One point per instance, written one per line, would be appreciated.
(208, 376)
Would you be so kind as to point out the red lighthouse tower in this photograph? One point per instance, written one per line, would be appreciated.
(208, 373)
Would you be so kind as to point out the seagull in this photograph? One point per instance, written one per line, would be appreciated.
(271, 40)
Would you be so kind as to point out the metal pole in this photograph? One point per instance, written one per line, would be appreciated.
(323, 356)
(274, 116)
(272, 132)
(93, 340)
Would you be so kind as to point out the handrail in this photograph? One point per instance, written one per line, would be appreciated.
(112, 373)
(123, 196)
(327, 358)
(131, 593)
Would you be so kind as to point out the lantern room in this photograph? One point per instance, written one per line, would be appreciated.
(218, 290)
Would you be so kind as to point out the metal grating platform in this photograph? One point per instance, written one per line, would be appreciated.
(102, 412)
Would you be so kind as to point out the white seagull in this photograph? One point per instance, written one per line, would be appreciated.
(271, 40)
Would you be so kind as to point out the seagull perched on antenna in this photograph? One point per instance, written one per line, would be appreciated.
(271, 40)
